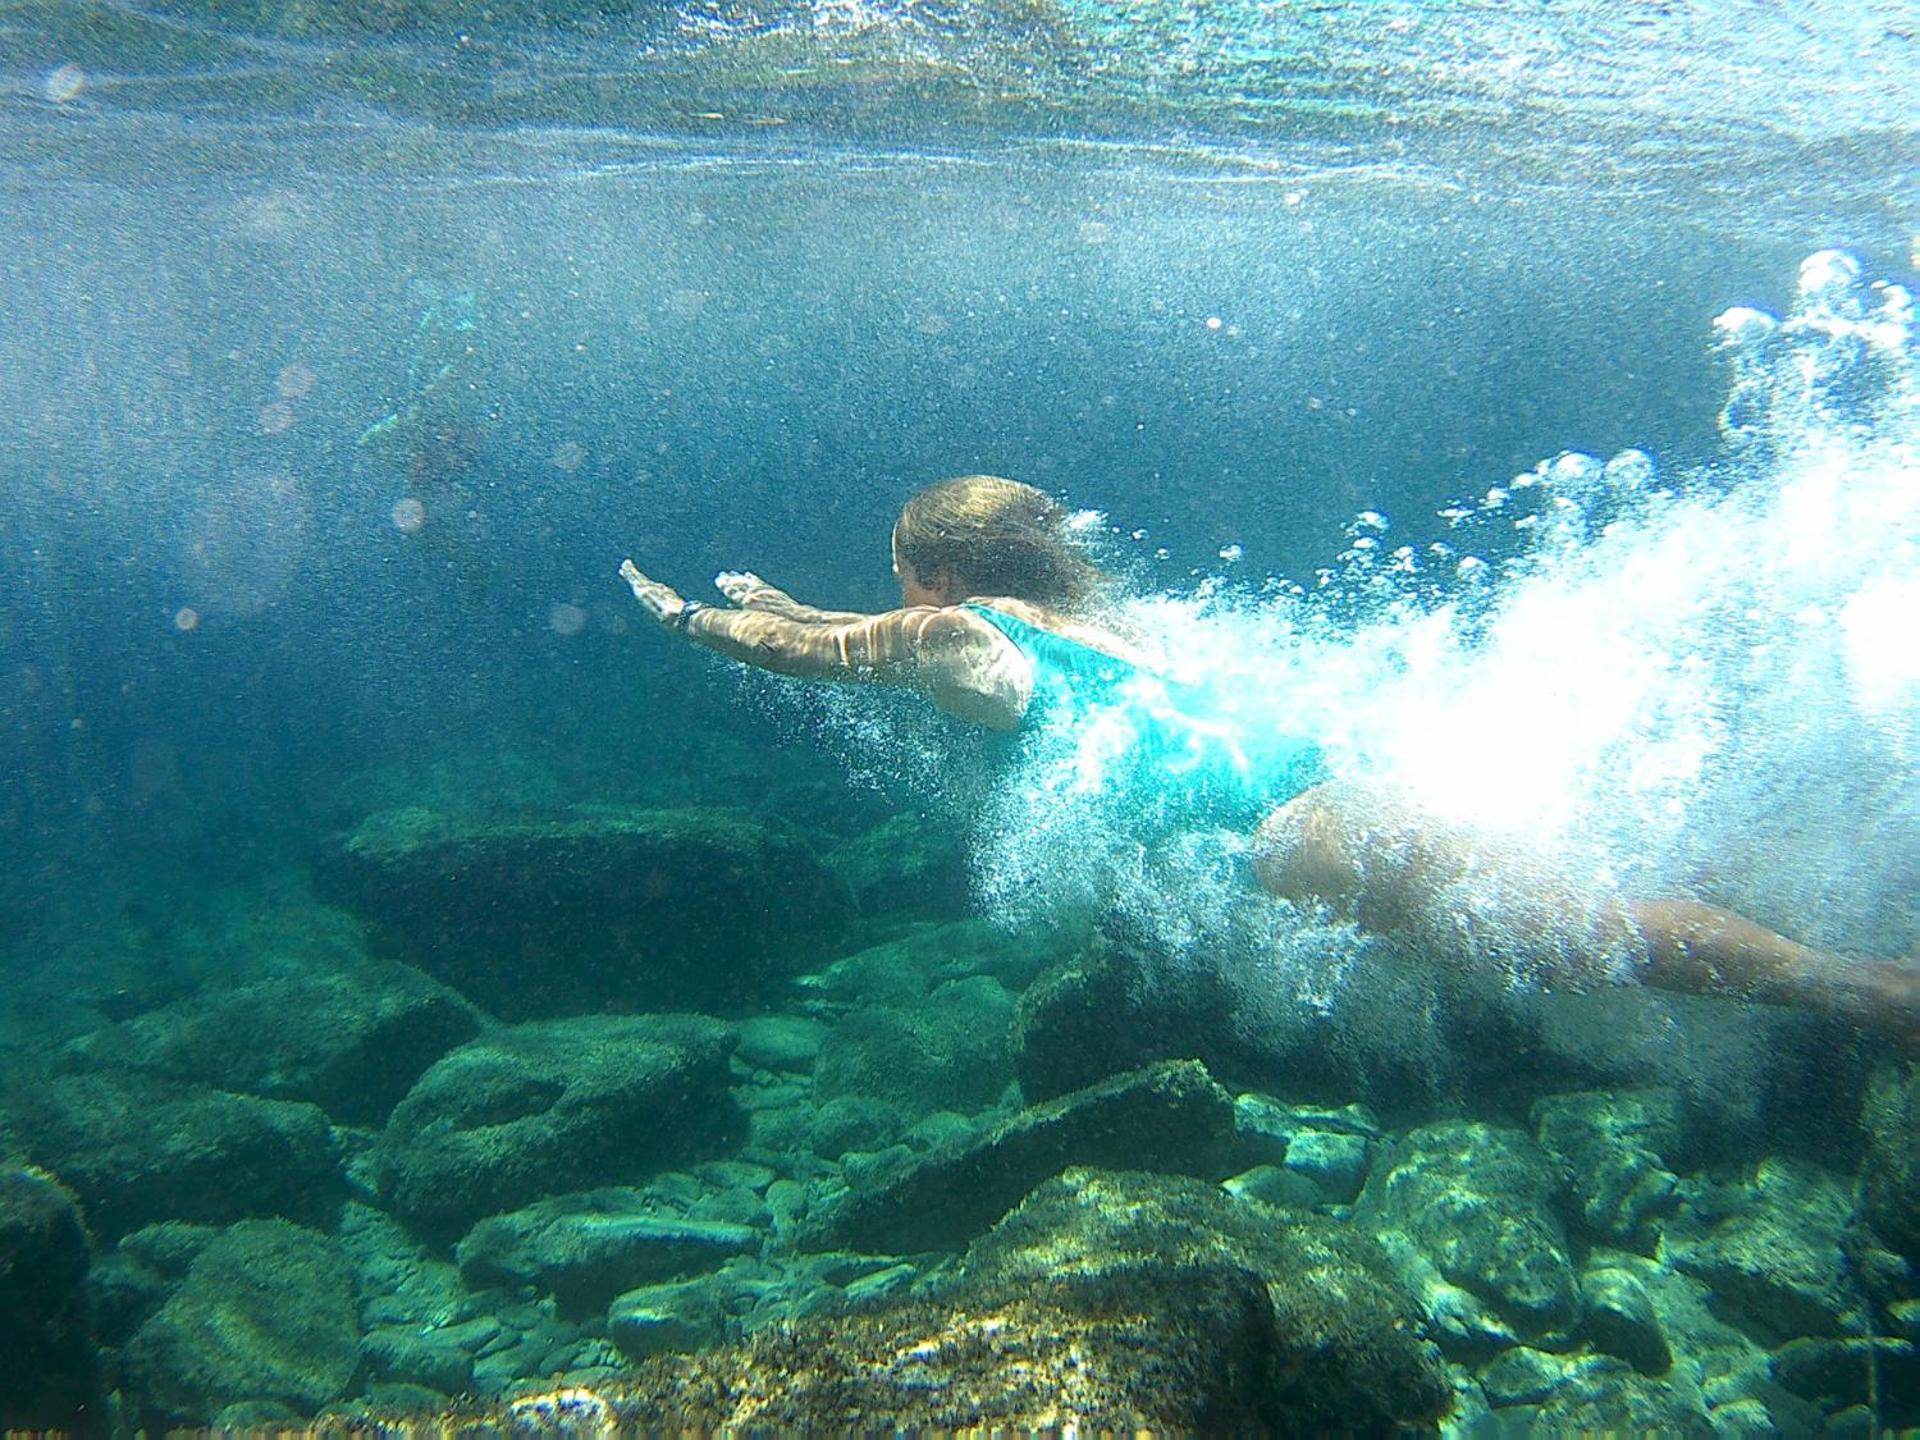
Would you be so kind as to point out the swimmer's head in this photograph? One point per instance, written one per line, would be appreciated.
(982, 535)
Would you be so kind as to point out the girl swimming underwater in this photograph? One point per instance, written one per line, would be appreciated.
(997, 627)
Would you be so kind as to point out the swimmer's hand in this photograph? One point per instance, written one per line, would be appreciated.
(662, 602)
(750, 592)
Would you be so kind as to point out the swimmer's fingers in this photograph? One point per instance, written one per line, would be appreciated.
(750, 592)
(662, 602)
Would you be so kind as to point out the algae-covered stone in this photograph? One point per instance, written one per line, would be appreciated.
(1336, 1163)
(1615, 1147)
(585, 1249)
(1620, 1319)
(1776, 1253)
(664, 1319)
(351, 1041)
(1480, 1205)
(1169, 1117)
(906, 865)
(265, 1313)
(947, 1052)
(139, 1148)
(1890, 1171)
(593, 906)
(780, 1042)
(47, 1378)
(554, 1106)
(1600, 1394)
(1343, 1349)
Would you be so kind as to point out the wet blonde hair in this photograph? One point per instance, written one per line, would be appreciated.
(992, 536)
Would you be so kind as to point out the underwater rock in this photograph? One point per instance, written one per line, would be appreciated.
(1890, 1172)
(1110, 1009)
(47, 1378)
(1176, 1310)
(1619, 1319)
(405, 1355)
(140, 1148)
(1600, 1394)
(910, 965)
(553, 1106)
(1340, 1351)
(907, 865)
(1335, 1162)
(585, 1249)
(785, 1043)
(948, 1052)
(1167, 1117)
(594, 907)
(1478, 1204)
(1877, 1370)
(1615, 1148)
(1773, 1250)
(266, 1313)
(350, 1041)
(666, 1319)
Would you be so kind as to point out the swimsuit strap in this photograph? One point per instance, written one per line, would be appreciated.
(1058, 662)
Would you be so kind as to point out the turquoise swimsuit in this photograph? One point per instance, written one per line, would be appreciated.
(1152, 738)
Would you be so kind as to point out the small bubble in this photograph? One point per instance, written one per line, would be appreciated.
(408, 515)
(65, 83)
(294, 381)
(1213, 322)
(565, 619)
(569, 456)
(186, 618)
(1231, 553)
(276, 418)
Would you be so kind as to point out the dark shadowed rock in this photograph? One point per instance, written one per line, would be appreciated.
(351, 1041)
(1170, 1117)
(906, 865)
(1890, 1172)
(139, 1148)
(266, 1313)
(47, 1376)
(585, 1249)
(947, 1052)
(1617, 1149)
(553, 1106)
(592, 907)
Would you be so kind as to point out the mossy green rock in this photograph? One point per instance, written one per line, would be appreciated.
(585, 1249)
(1167, 1117)
(1775, 1252)
(1616, 1148)
(266, 1313)
(1890, 1173)
(138, 1148)
(1481, 1205)
(47, 1378)
(554, 1106)
(593, 907)
(350, 1041)
(948, 1052)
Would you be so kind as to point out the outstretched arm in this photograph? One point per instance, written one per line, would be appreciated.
(750, 592)
(961, 662)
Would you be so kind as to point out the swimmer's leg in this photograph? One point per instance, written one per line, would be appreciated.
(1386, 869)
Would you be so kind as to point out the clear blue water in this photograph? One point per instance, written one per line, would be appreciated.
(346, 350)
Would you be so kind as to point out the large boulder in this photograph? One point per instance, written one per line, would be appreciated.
(534, 1110)
(48, 1379)
(351, 1041)
(1167, 1117)
(593, 907)
(139, 1148)
(1472, 1214)
(266, 1313)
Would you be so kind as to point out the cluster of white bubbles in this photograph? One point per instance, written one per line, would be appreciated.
(1621, 682)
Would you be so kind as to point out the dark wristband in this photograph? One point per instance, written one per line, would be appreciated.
(685, 615)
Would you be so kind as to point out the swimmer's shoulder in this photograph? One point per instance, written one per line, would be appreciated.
(1089, 633)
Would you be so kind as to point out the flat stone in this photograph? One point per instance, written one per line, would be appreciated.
(666, 1319)
(1167, 1117)
(403, 1354)
(1335, 1162)
(609, 906)
(586, 1249)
